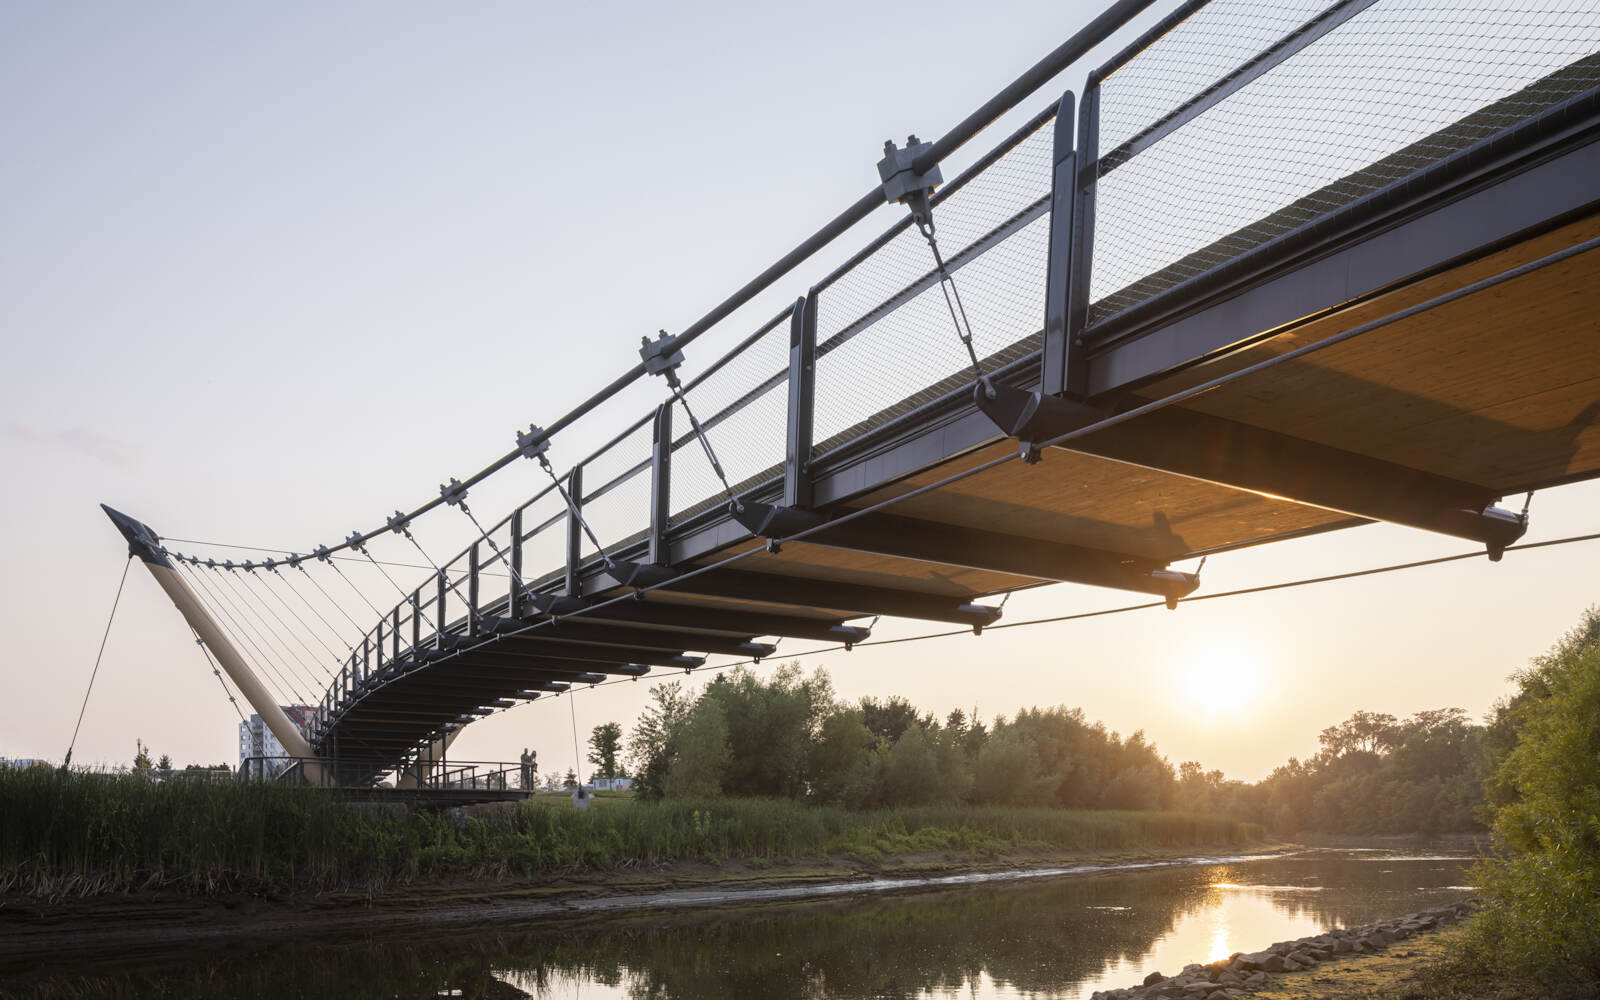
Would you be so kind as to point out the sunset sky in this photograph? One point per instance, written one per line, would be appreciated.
(269, 273)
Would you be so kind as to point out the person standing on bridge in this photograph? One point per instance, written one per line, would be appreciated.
(527, 770)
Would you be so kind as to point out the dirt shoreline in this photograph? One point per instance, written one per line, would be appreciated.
(135, 923)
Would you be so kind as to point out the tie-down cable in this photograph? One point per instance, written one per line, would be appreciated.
(901, 183)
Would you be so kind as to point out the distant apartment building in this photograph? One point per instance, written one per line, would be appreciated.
(260, 753)
(611, 784)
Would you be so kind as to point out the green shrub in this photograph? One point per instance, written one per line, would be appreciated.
(1542, 917)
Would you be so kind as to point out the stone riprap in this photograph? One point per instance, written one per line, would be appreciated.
(1243, 973)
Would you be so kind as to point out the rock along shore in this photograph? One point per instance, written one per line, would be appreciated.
(1241, 974)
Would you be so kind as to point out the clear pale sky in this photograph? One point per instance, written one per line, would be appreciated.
(269, 272)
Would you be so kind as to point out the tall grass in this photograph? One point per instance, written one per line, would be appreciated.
(78, 835)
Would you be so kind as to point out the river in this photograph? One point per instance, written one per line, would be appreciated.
(1056, 937)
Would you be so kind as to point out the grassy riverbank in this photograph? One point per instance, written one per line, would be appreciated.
(74, 836)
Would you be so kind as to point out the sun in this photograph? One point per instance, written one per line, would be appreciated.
(1226, 672)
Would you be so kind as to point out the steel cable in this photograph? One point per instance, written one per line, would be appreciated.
(217, 673)
(104, 636)
(251, 577)
(285, 580)
(300, 669)
(222, 617)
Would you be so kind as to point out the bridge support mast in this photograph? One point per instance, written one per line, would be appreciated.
(146, 544)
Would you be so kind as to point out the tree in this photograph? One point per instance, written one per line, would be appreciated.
(701, 758)
(1543, 912)
(888, 720)
(141, 759)
(1363, 732)
(165, 763)
(910, 775)
(772, 725)
(1007, 772)
(571, 779)
(605, 744)
(650, 746)
(841, 760)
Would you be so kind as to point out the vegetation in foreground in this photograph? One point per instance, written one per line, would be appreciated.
(73, 835)
(1541, 921)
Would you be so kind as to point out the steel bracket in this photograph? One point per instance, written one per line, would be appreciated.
(454, 493)
(901, 183)
(1033, 417)
(533, 442)
(766, 520)
(661, 356)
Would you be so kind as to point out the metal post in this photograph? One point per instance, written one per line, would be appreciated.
(439, 614)
(802, 402)
(515, 598)
(394, 635)
(660, 484)
(1076, 374)
(364, 667)
(574, 530)
(416, 621)
(1060, 357)
(472, 589)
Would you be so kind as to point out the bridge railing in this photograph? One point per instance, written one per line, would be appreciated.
(1237, 128)
(1200, 153)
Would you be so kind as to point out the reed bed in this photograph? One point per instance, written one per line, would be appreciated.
(75, 835)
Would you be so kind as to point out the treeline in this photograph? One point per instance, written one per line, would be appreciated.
(1373, 774)
(788, 736)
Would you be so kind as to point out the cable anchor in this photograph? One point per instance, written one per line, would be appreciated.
(454, 493)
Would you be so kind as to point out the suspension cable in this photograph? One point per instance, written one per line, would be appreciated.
(359, 593)
(301, 671)
(218, 673)
(250, 578)
(284, 579)
(705, 443)
(404, 596)
(233, 616)
(947, 285)
(329, 597)
(574, 509)
(67, 761)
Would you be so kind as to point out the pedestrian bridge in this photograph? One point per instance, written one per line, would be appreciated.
(1275, 270)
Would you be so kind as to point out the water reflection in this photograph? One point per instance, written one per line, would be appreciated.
(1063, 938)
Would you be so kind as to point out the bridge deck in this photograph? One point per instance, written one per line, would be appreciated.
(1424, 421)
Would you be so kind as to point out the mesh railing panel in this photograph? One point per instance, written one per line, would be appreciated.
(883, 346)
(1396, 88)
(620, 513)
(743, 407)
(544, 551)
